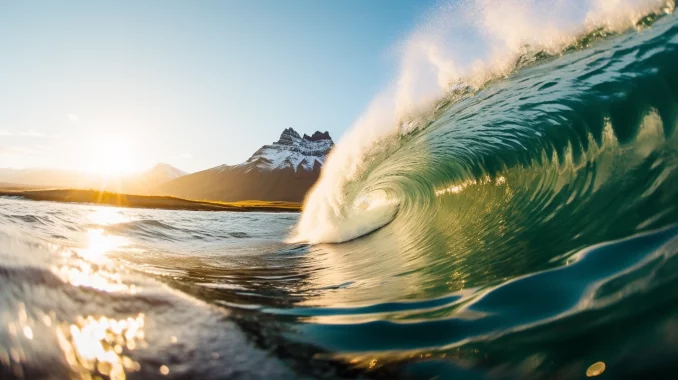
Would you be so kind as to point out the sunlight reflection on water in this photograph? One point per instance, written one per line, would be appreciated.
(96, 345)
(89, 269)
(88, 276)
(107, 215)
(100, 243)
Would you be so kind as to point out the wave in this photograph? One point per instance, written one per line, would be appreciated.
(543, 114)
(156, 230)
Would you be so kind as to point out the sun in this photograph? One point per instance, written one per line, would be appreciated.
(111, 157)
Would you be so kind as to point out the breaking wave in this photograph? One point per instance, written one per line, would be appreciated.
(549, 99)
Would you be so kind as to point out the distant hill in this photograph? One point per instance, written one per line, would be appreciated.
(146, 182)
(137, 183)
(282, 171)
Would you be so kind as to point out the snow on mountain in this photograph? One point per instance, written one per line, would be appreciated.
(291, 151)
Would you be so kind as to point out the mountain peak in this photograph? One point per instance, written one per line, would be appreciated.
(317, 136)
(161, 165)
(293, 151)
(163, 171)
(288, 136)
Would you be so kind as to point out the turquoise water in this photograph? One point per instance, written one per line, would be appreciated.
(526, 229)
(535, 226)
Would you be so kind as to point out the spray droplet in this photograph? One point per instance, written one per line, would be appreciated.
(595, 369)
(164, 370)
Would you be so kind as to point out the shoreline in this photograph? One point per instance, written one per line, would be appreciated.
(162, 202)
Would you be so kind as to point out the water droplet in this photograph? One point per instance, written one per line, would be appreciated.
(164, 370)
(28, 332)
(595, 369)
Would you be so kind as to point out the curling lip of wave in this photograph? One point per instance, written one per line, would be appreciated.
(329, 211)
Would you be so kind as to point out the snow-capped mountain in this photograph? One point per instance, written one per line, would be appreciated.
(293, 151)
(284, 170)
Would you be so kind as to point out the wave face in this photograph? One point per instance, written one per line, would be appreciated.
(574, 118)
(531, 205)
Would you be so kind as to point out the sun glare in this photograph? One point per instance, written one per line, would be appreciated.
(112, 158)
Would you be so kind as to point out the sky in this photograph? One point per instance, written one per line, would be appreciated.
(127, 84)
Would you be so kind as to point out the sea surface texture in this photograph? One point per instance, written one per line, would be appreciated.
(527, 229)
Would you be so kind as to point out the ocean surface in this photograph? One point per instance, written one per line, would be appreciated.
(526, 228)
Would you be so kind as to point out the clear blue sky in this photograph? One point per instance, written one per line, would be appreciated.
(195, 84)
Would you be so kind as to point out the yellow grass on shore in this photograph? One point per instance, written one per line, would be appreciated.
(147, 201)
